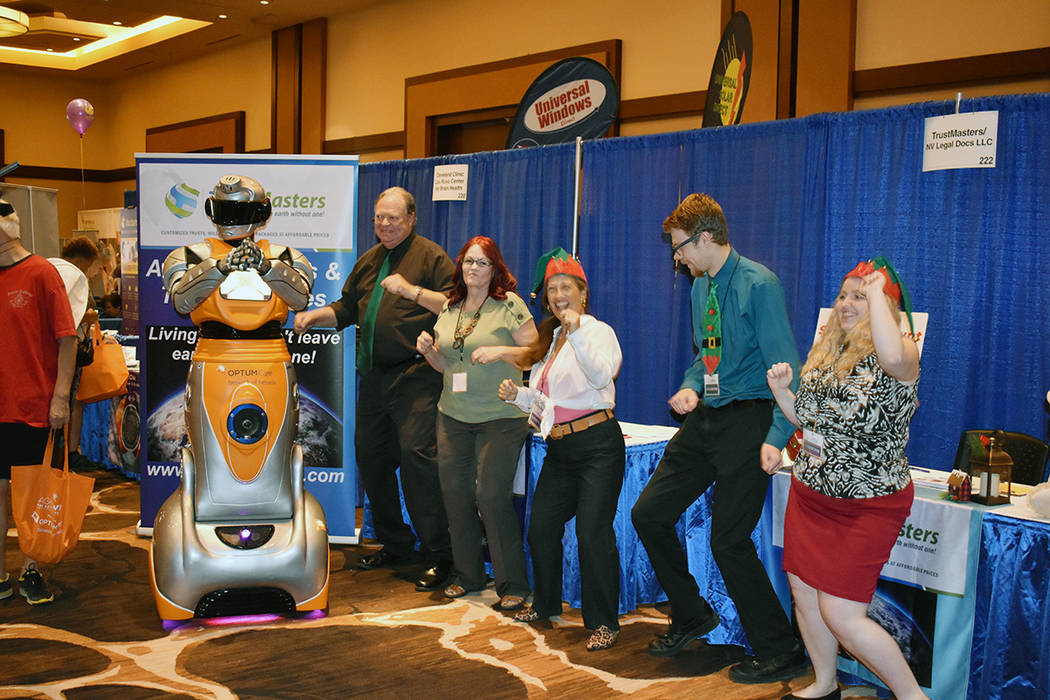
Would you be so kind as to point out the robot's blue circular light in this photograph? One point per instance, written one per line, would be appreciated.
(247, 424)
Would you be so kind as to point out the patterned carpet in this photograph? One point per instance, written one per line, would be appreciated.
(101, 638)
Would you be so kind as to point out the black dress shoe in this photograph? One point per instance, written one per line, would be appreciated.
(435, 577)
(836, 694)
(377, 559)
(677, 637)
(782, 667)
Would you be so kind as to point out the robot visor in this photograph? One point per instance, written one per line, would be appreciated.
(228, 212)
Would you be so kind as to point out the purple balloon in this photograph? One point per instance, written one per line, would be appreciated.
(80, 114)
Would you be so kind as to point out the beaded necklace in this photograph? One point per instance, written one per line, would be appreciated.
(461, 332)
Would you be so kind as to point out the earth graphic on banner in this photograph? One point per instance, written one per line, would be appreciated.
(913, 643)
(320, 432)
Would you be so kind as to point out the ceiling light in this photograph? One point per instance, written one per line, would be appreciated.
(117, 23)
(222, 16)
(13, 22)
(264, 2)
(76, 38)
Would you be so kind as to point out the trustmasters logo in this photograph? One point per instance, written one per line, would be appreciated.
(181, 200)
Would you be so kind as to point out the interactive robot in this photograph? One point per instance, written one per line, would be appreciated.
(240, 535)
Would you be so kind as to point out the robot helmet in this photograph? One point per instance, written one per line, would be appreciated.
(237, 206)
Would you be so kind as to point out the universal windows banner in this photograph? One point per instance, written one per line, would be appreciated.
(314, 201)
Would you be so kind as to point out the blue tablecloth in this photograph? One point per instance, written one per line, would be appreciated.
(1010, 657)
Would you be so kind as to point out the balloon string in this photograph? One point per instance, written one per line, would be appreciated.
(83, 191)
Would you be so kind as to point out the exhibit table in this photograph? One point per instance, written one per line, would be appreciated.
(977, 624)
(109, 431)
(1011, 636)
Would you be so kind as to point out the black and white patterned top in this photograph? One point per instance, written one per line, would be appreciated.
(864, 422)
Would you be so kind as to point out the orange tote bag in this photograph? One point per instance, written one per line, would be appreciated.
(49, 507)
(106, 376)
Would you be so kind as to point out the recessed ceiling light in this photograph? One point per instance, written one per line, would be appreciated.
(76, 38)
(222, 16)
(264, 2)
(117, 23)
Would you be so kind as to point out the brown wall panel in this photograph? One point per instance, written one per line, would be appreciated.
(286, 106)
(764, 16)
(827, 31)
(314, 60)
(222, 133)
(492, 85)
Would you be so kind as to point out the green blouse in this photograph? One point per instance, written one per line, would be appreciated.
(495, 326)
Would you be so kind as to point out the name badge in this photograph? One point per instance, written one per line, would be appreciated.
(813, 444)
(711, 385)
(536, 415)
(459, 382)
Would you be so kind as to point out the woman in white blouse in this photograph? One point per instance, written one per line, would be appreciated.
(570, 403)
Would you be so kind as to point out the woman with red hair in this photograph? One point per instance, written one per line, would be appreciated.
(480, 335)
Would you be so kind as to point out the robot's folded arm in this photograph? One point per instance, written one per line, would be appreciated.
(190, 275)
(290, 276)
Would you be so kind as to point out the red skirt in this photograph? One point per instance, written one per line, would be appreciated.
(839, 545)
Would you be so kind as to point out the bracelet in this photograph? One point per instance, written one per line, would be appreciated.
(419, 290)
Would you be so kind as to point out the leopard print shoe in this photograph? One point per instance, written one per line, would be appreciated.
(602, 638)
(527, 615)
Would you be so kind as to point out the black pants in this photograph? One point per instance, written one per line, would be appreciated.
(582, 476)
(22, 444)
(396, 414)
(720, 446)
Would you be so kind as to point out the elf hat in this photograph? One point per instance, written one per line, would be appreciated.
(555, 262)
(894, 284)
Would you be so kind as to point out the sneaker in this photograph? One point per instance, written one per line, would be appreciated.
(6, 589)
(32, 587)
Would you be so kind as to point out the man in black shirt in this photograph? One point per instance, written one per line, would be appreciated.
(397, 398)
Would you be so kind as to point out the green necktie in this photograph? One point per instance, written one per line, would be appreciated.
(711, 349)
(367, 326)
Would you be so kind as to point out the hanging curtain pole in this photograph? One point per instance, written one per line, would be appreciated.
(576, 199)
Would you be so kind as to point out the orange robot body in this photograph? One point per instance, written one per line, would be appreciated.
(241, 534)
(240, 313)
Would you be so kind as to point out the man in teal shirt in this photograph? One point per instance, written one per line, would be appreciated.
(731, 436)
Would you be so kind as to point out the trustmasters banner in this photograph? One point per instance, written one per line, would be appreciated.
(314, 202)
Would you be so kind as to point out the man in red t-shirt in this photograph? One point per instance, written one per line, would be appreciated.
(35, 374)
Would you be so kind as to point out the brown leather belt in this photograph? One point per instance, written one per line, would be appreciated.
(560, 430)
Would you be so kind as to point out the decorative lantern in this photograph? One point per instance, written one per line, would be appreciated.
(994, 470)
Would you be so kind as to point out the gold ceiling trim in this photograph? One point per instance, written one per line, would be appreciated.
(116, 41)
(13, 22)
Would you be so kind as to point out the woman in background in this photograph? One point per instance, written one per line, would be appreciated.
(857, 393)
(479, 338)
(576, 360)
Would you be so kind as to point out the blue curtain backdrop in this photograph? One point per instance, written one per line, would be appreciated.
(520, 198)
(808, 198)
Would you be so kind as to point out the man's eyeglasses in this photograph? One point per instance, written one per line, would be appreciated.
(676, 248)
(383, 218)
(480, 262)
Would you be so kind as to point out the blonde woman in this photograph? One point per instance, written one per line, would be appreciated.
(856, 397)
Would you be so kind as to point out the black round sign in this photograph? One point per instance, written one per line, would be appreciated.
(574, 97)
(730, 74)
